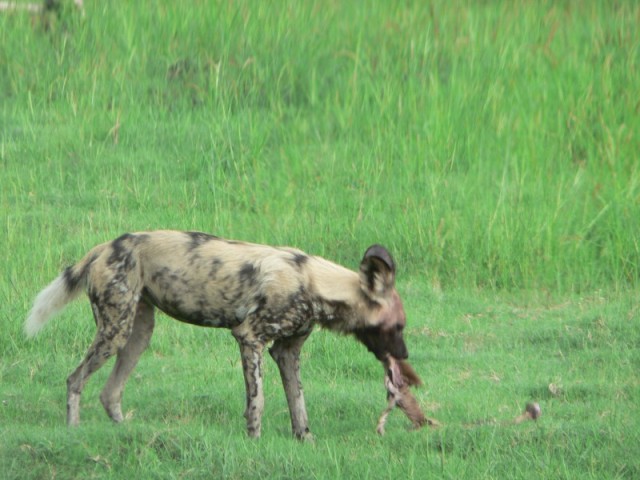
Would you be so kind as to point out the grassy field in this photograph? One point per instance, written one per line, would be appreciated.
(492, 146)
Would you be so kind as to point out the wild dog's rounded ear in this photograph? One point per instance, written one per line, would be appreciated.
(381, 253)
(377, 270)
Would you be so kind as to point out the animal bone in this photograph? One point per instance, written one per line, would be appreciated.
(531, 412)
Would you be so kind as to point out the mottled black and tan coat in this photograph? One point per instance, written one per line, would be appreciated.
(262, 294)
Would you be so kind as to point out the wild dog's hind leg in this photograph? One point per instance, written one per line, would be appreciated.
(251, 354)
(286, 353)
(113, 331)
(128, 356)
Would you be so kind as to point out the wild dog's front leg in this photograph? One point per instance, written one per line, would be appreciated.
(251, 354)
(286, 353)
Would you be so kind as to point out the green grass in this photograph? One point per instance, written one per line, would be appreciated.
(492, 146)
(482, 358)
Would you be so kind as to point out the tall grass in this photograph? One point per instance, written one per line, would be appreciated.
(488, 145)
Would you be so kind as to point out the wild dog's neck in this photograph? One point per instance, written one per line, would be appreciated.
(337, 290)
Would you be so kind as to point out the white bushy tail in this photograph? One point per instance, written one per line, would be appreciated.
(49, 301)
(61, 291)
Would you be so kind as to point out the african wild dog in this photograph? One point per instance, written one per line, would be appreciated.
(263, 294)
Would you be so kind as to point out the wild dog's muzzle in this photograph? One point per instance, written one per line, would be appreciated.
(383, 342)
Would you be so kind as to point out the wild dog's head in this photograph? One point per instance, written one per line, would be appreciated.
(385, 317)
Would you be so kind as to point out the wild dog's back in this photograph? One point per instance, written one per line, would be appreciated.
(208, 281)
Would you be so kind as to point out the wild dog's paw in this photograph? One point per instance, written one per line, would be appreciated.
(306, 436)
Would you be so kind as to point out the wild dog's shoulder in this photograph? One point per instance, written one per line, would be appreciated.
(330, 281)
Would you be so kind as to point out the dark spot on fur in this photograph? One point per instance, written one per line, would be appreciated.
(293, 318)
(177, 278)
(370, 275)
(159, 274)
(121, 251)
(71, 279)
(330, 313)
(215, 266)
(118, 243)
(299, 259)
(261, 302)
(248, 273)
(205, 315)
(194, 258)
(93, 296)
(198, 239)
